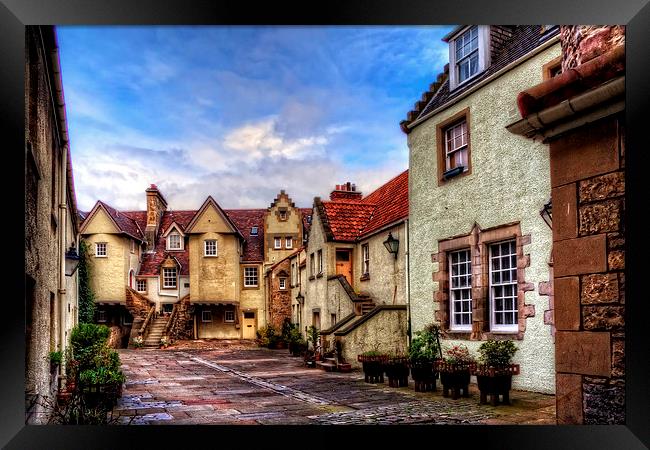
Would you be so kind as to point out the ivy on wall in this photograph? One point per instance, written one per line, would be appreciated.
(86, 294)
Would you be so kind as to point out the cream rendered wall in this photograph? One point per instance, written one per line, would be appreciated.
(338, 302)
(158, 296)
(274, 227)
(315, 290)
(386, 272)
(253, 299)
(214, 278)
(510, 181)
(71, 306)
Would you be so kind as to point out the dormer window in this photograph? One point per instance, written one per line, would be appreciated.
(174, 241)
(468, 54)
(283, 215)
(254, 231)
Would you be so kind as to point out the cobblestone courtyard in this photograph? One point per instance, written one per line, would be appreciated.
(249, 385)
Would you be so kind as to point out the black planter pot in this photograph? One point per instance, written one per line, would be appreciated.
(495, 382)
(373, 368)
(455, 382)
(424, 376)
(397, 373)
(101, 395)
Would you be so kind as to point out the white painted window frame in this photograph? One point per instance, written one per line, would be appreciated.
(288, 242)
(453, 326)
(277, 243)
(137, 287)
(254, 231)
(165, 278)
(251, 276)
(461, 149)
(503, 328)
(282, 283)
(365, 251)
(97, 253)
(205, 248)
(226, 313)
(320, 261)
(483, 55)
(169, 241)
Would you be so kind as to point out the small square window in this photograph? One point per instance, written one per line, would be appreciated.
(127, 319)
(283, 215)
(210, 247)
(174, 242)
(100, 249)
(288, 243)
(283, 283)
(320, 261)
(277, 243)
(229, 316)
(141, 285)
(254, 231)
(101, 315)
(366, 259)
(206, 316)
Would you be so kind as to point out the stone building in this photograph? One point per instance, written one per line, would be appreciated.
(482, 263)
(201, 274)
(51, 226)
(581, 115)
(344, 281)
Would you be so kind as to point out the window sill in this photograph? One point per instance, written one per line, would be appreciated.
(250, 287)
(311, 278)
(210, 256)
(451, 173)
(365, 277)
(320, 275)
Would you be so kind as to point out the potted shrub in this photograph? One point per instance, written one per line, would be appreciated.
(397, 370)
(138, 342)
(423, 352)
(373, 365)
(55, 361)
(164, 342)
(454, 371)
(312, 353)
(495, 370)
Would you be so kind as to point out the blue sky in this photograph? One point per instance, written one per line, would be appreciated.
(240, 112)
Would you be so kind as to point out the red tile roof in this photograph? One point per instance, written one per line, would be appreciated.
(244, 219)
(349, 220)
(392, 200)
(125, 223)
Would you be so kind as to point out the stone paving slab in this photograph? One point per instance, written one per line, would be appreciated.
(210, 384)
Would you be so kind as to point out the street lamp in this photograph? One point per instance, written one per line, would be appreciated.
(547, 213)
(391, 244)
(71, 261)
(300, 298)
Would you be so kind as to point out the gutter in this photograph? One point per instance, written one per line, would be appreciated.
(596, 103)
(487, 80)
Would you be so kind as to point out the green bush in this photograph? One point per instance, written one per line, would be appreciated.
(56, 358)
(313, 336)
(425, 345)
(95, 362)
(86, 294)
(268, 336)
(497, 353)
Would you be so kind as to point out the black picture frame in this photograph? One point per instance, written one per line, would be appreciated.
(15, 14)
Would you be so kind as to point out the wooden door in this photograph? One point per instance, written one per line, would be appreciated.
(344, 264)
(249, 330)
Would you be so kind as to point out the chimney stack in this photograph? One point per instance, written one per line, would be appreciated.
(156, 206)
(346, 191)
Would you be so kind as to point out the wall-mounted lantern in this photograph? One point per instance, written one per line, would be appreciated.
(300, 298)
(391, 244)
(547, 213)
(71, 261)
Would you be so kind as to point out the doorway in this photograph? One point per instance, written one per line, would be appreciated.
(344, 263)
(249, 330)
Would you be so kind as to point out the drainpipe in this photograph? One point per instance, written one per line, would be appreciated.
(62, 216)
(408, 282)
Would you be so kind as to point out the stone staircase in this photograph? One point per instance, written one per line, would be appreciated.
(367, 304)
(156, 329)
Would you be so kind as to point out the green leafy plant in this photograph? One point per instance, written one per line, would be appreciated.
(86, 293)
(497, 353)
(164, 341)
(56, 358)
(137, 341)
(374, 353)
(268, 336)
(425, 345)
(313, 336)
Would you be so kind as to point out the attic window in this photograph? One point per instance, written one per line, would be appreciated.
(468, 54)
(174, 241)
(309, 219)
(283, 215)
(253, 231)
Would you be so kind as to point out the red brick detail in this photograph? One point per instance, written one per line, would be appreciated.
(523, 240)
(602, 187)
(601, 217)
(580, 256)
(585, 152)
(544, 288)
(616, 260)
(567, 303)
(565, 222)
(529, 310)
(585, 353)
(568, 399)
(599, 288)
